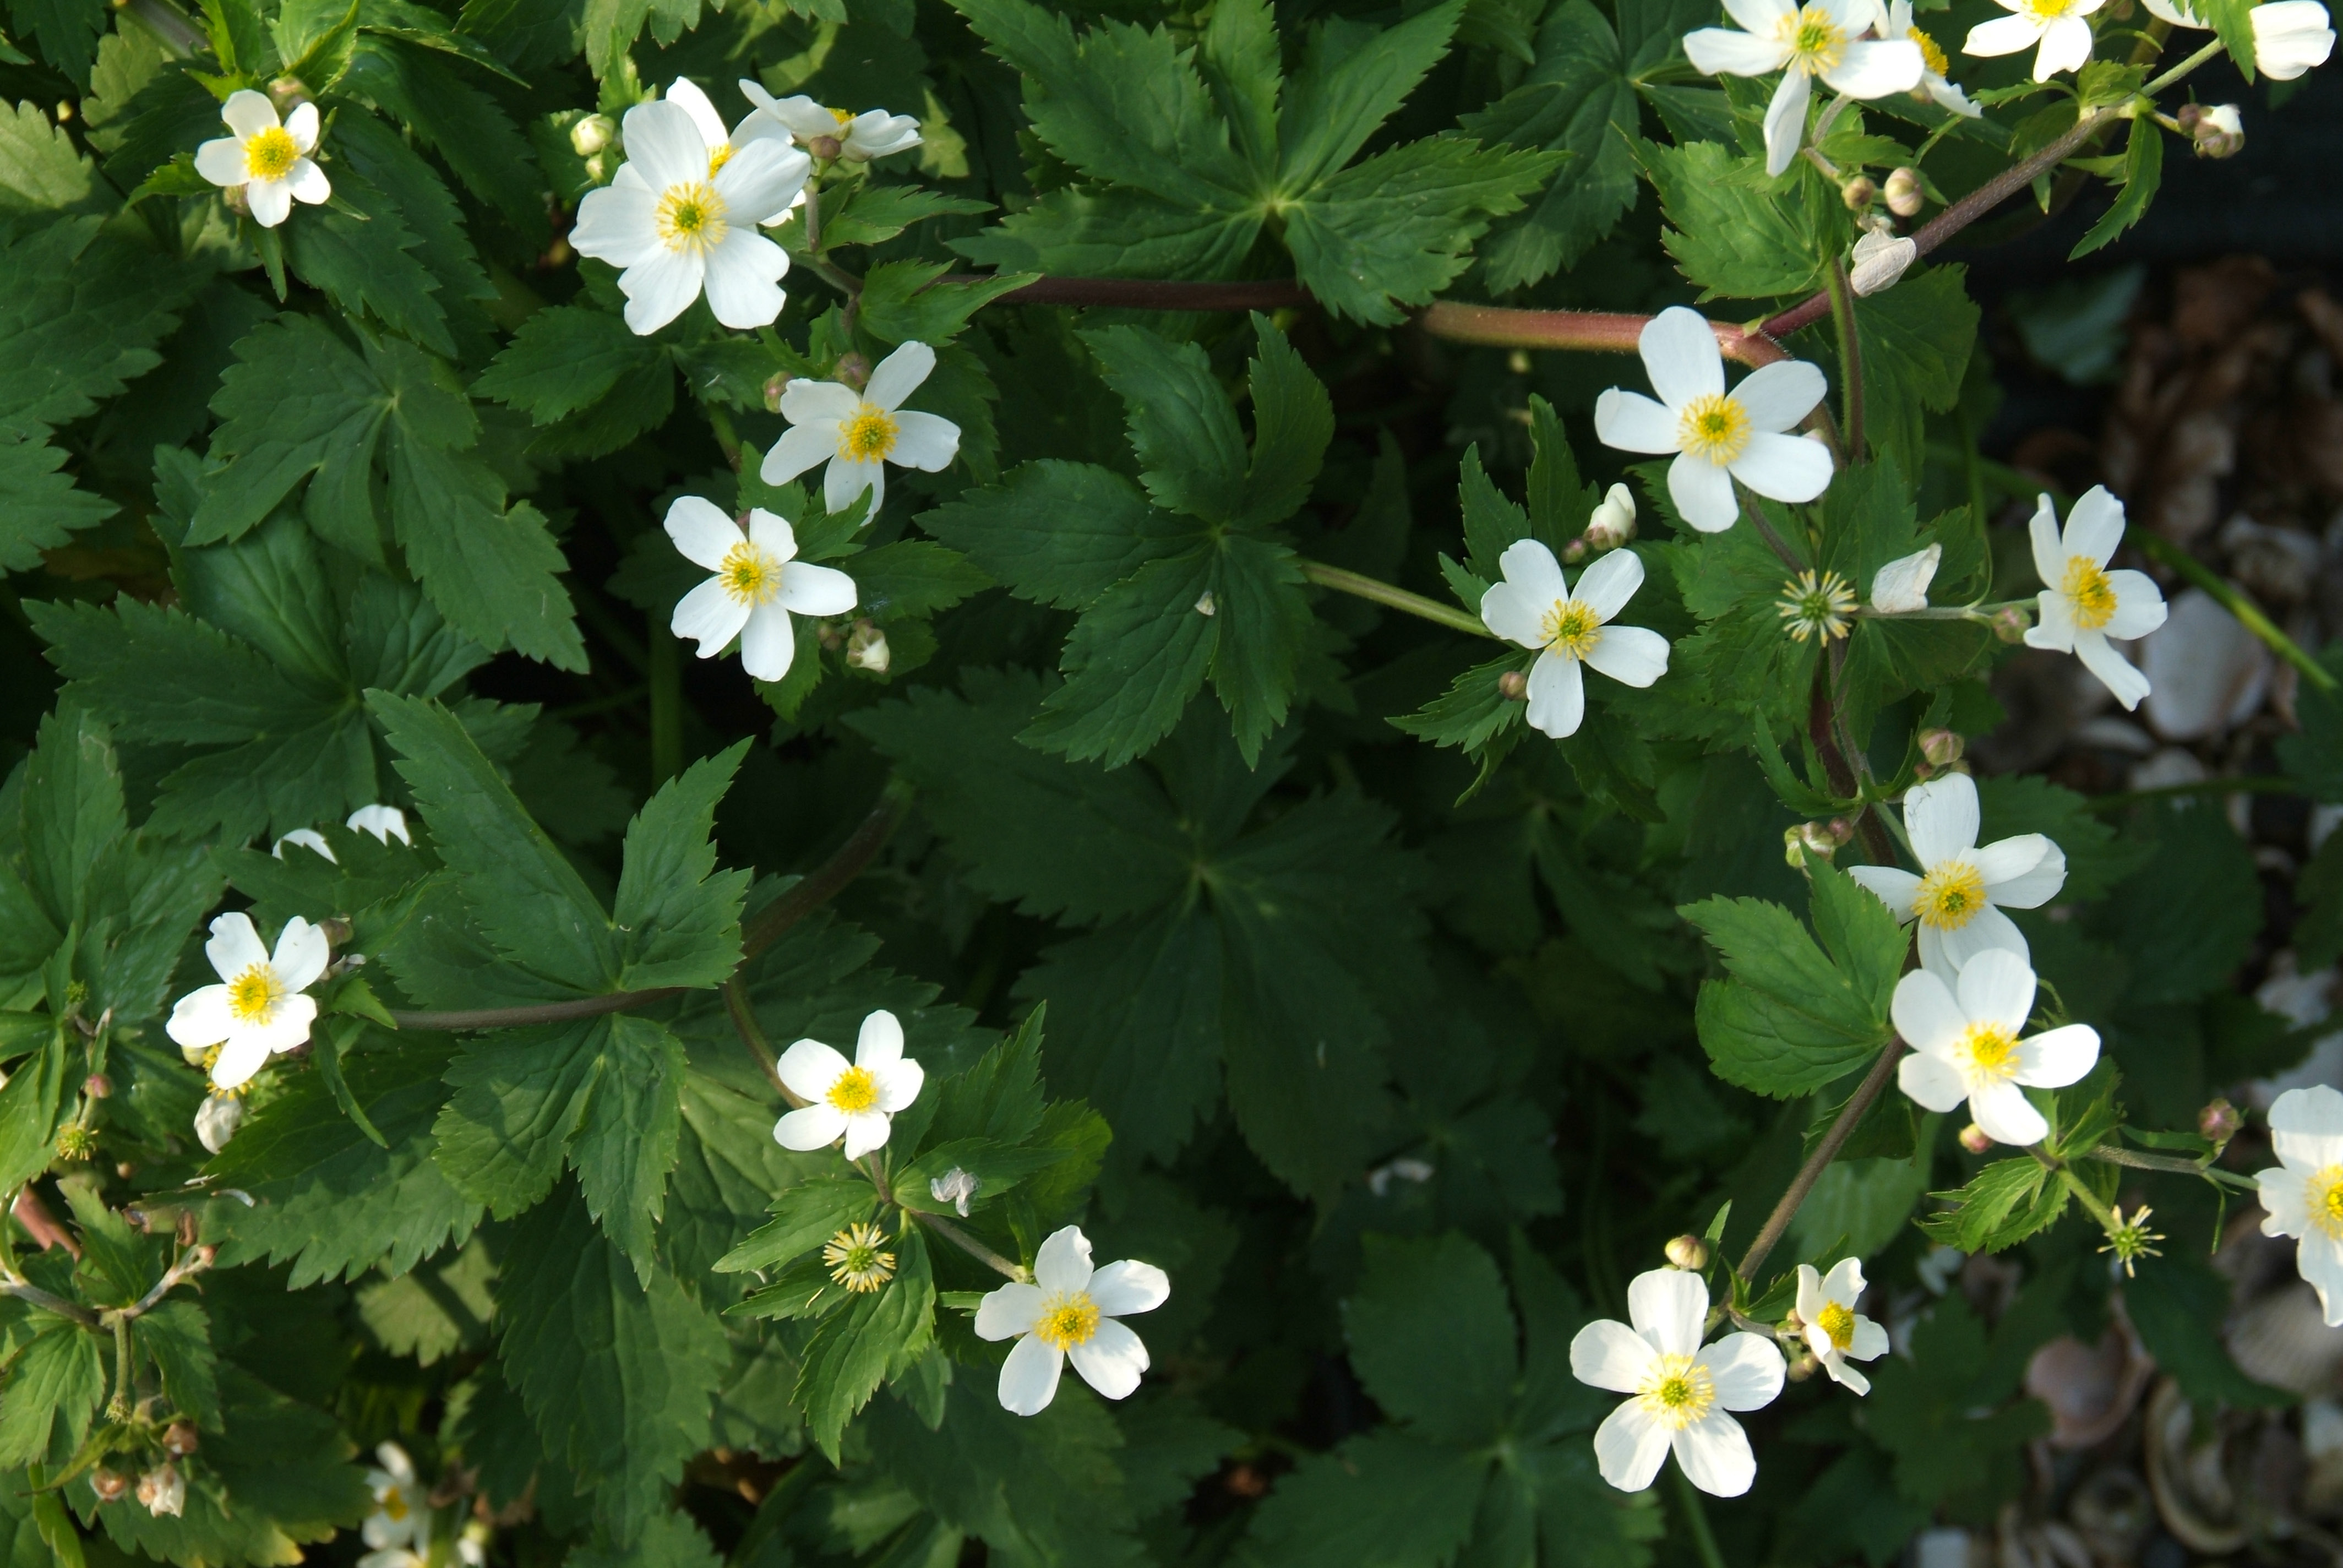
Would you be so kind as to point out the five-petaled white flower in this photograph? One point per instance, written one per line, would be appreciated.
(257, 1007)
(1900, 586)
(1681, 1389)
(2054, 29)
(2302, 1195)
(855, 1100)
(266, 158)
(759, 582)
(1934, 64)
(1071, 1310)
(400, 1528)
(1966, 1046)
(859, 433)
(2082, 604)
(1535, 608)
(1834, 1331)
(2290, 37)
(1824, 38)
(873, 134)
(1720, 436)
(679, 219)
(1961, 891)
(754, 126)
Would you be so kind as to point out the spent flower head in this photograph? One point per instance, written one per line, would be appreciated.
(1817, 606)
(855, 1259)
(2130, 1239)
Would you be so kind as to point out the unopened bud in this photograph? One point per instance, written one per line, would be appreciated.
(594, 168)
(110, 1485)
(854, 369)
(1976, 1138)
(1794, 847)
(1881, 261)
(1858, 193)
(1904, 197)
(2220, 1122)
(866, 648)
(180, 1438)
(1574, 552)
(2010, 623)
(1815, 838)
(1513, 686)
(1801, 1367)
(1688, 1252)
(1941, 747)
(2217, 130)
(825, 146)
(288, 94)
(775, 385)
(591, 134)
(336, 928)
(1841, 830)
(97, 1086)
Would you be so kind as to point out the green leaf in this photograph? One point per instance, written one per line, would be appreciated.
(1190, 451)
(876, 1335)
(2187, 918)
(2178, 1305)
(678, 918)
(1135, 659)
(1728, 234)
(1293, 420)
(1432, 1337)
(912, 301)
(2003, 1204)
(804, 1217)
(81, 318)
(912, 579)
(41, 170)
(2143, 172)
(54, 1385)
(1060, 534)
(68, 31)
(1915, 340)
(1353, 78)
(1472, 712)
(358, 251)
(874, 214)
(40, 508)
(1386, 1500)
(565, 360)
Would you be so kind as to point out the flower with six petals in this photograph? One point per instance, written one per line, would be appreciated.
(1966, 1046)
(2082, 604)
(855, 1100)
(1533, 606)
(266, 158)
(1961, 889)
(1071, 1310)
(1824, 38)
(1834, 1331)
(857, 434)
(758, 584)
(1683, 1390)
(257, 1007)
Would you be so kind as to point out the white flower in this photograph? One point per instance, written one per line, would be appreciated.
(216, 1120)
(399, 1526)
(1682, 1390)
(759, 581)
(678, 218)
(1721, 435)
(754, 126)
(872, 134)
(1535, 608)
(1881, 260)
(2290, 37)
(2082, 604)
(854, 1102)
(2054, 29)
(1071, 1310)
(1824, 39)
(1834, 1329)
(164, 1491)
(257, 1009)
(385, 822)
(1901, 587)
(1965, 1046)
(955, 1187)
(1961, 891)
(859, 433)
(2302, 1196)
(308, 838)
(266, 158)
(1932, 75)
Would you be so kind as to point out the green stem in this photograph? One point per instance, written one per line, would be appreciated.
(118, 1407)
(752, 1033)
(971, 1246)
(2235, 600)
(1390, 597)
(2131, 1158)
(666, 682)
(2083, 1194)
(1695, 1513)
(1778, 1222)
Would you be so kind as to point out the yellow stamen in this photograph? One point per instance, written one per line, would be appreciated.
(857, 1088)
(253, 996)
(1815, 39)
(866, 435)
(1838, 1322)
(1714, 428)
(271, 154)
(1950, 896)
(691, 217)
(1067, 1321)
(1931, 55)
(394, 1505)
(718, 159)
(1991, 1050)
(2047, 10)
(1677, 1390)
(844, 117)
(2089, 593)
(2324, 1198)
(1571, 627)
(749, 574)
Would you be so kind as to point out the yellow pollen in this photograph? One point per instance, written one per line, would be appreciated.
(1714, 428)
(271, 154)
(393, 1504)
(1992, 1050)
(2323, 1197)
(1931, 55)
(718, 159)
(1067, 1321)
(1572, 629)
(253, 996)
(747, 574)
(1816, 40)
(855, 1260)
(856, 1089)
(2047, 10)
(1838, 1322)
(844, 117)
(691, 217)
(1950, 896)
(2089, 593)
(866, 435)
(1677, 1390)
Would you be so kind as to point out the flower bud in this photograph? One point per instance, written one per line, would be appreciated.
(825, 146)
(1801, 1367)
(2220, 1122)
(866, 648)
(1513, 686)
(1841, 830)
(1941, 747)
(216, 1120)
(591, 134)
(854, 369)
(1688, 1252)
(1613, 522)
(1904, 197)
(1815, 838)
(2219, 132)
(288, 94)
(110, 1485)
(2010, 621)
(1793, 848)
(180, 1438)
(1858, 193)
(775, 385)
(1974, 1139)
(97, 1086)
(1574, 551)
(1880, 262)
(594, 168)
(164, 1491)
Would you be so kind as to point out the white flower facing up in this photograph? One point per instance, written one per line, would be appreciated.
(1834, 1331)
(873, 134)
(1071, 1310)
(1966, 1046)
(2054, 29)
(857, 434)
(1682, 1390)
(2290, 37)
(1718, 436)
(1826, 39)
(1961, 889)
(257, 1007)
(400, 1528)
(758, 584)
(2082, 604)
(855, 1100)
(266, 158)
(1901, 587)
(2302, 1195)
(677, 220)
(1934, 64)
(1533, 606)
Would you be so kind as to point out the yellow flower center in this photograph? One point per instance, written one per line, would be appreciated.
(749, 573)
(1572, 629)
(253, 996)
(2047, 11)
(1931, 57)
(691, 217)
(1838, 1322)
(2324, 1198)
(1950, 896)
(857, 1088)
(1066, 1320)
(271, 154)
(718, 159)
(866, 435)
(1991, 1050)
(844, 117)
(394, 1505)
(2088, 592)
(1677, 1390)
(1714, 428)
(855, 1260)
(1815, 39)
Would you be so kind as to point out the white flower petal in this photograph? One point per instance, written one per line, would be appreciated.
(202, 1017)
(866, 1131)
(247, 113)
(1987, 930)
(1668, 1307)
(2021, 872)
(800, 448)
(1871, 1340)
(1680, 355)
(301, 956)
(1061, 1264)
(1557, 696)
(702, 531)
(711, 616)
(880, 1042)
(270, 202)
(2005, 1115)
(1634, 423)
(1715, 1457)
(1783, 467)
(1925, 1014)
(810, 1127)
(1703, 492)
(1029, 1378)
(2095, 526)
(1630, 654)
(768, 643)
(1996, 987)
(1785, 120)
(1930, 1081)
(2114, 672)
(1748, 1370)
(2307, 1126)
(1776, 396)
(2286, 1204)
(1112, 1360)
(1893, 886)
(1845, 1376)
(928, 442)
(1609, 583)
(1722, 51)
(1607, 1354)
(235, 945)
(239, 1059)
(810, 1069)
(1010, 1311)
(686, 92)
(1942, 818)
(809, 589)
(1129, 1286)
(2002, 36)
(898, 1085)
(665, 146)
(1810, 1299)
(1531, 568)
(2140, 605)
(222, 162)
(618, 224)
(1762, 17)
(1630, 1446)
(897, 376)
(1514, 614)
(2066, 47)
(743, 280)
(1873, 69)
(2318, 1258)
(2058, 1057)
(845, 481)
(805, 402)
(661, 286)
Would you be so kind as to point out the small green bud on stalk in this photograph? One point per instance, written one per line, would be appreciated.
(2217, 130)
(1942, 748)
(1688, 1252)
(1513, 686)
(591, 134)
(1859, 193)
(1904, 195)
(1976, 1138)
(2010, 621)
(2220, 1122)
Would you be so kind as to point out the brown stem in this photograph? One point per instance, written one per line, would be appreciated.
(752, 1034)
(1850, 361)
(1819, 1160)
(1148, 294)
(1599, 331)
(1822, 728)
